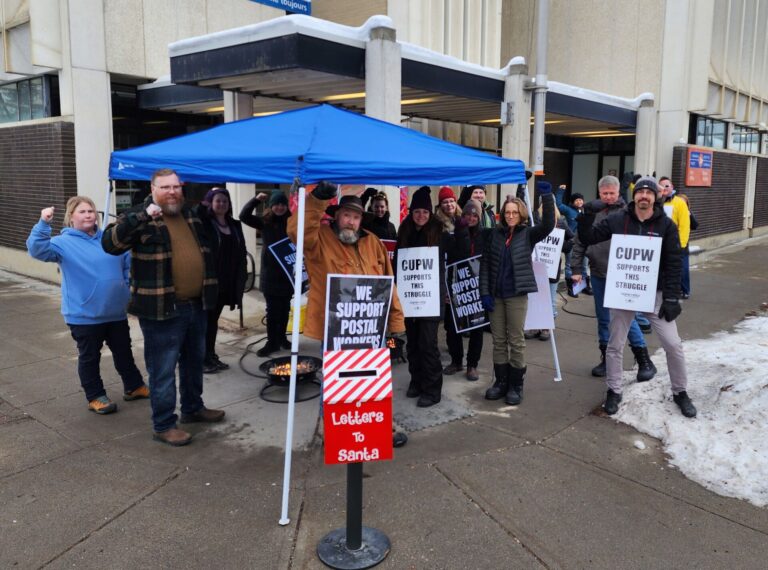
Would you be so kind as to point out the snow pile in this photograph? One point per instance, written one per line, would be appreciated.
(725, 448)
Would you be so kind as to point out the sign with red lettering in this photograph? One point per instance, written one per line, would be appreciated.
(357, 405)
(391, 245)
(698, 168)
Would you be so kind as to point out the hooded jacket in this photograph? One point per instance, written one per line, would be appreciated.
(94, 284)
(626, 222)
(524, 238)
(598, 253)
(324, 254)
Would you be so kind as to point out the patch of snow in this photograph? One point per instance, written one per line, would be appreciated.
(725, 448)
(639, 444)
(597, 96)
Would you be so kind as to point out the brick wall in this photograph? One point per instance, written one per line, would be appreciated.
(37, 169)
(760, 217)
(719, 208)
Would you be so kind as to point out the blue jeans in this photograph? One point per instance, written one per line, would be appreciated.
(178, 340)
(569, 269)
(604, 317)
(685, 285)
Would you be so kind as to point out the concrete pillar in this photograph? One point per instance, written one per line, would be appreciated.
(515, 120)
(383, 88)
(85, 94)
(240, 106)
(645, 139)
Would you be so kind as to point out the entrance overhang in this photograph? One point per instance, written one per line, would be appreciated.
(295, 61)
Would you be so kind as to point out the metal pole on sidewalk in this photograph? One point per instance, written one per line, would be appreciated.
(356, 546)
(540, 91)
(297, 280)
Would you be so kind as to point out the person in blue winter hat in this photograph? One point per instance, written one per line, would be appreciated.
(94, 297)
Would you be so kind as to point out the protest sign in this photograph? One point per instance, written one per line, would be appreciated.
(633, 270)
(356, 311)
(285, 254)
(548, 251)
(462, 280)
(539, 313)
(418, 281)
(390, 244)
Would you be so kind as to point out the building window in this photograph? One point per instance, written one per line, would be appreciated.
(25, 100)
(745, 139)
(708, 132)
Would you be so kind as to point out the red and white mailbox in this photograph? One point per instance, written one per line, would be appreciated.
(357, 405)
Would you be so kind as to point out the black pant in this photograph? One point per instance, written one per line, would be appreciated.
(212, 330)
(90, 339)
(455, 342)
(424, 356)
(278, 309)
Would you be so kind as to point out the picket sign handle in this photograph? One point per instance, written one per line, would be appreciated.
(297, 280)
(107, 205)
(558, 374)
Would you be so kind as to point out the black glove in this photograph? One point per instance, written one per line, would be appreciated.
(324, 190)
(369, 193)
(670, 310)
(593, 207)
(488, 302)
(543, 188)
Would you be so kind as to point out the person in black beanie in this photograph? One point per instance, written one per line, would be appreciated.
(273, 282)
(421, 229)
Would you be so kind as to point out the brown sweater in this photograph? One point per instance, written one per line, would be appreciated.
(187, 261)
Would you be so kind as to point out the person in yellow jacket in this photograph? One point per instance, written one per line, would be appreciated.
(677, 209)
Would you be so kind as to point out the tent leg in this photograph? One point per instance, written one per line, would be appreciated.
(297, 279)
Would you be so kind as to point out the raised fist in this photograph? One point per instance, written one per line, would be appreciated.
(46, 214)
(154, 211)
(262, 196)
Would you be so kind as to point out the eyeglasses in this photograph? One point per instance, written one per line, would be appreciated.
(175, 187)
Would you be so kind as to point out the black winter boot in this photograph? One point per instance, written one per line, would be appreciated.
(645, 368)
(569, 286)
(599, 370)
(501, 385)
(516, 379)
(612, 401)
(588, 288)
(684, 403)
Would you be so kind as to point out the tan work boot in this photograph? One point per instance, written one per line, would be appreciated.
(174, 436)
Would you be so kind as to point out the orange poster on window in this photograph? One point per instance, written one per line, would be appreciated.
(698, 169)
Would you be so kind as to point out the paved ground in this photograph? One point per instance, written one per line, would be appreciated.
(547, 485)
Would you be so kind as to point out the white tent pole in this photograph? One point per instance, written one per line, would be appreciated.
(297, 280)
(558, 374)
(107, 205)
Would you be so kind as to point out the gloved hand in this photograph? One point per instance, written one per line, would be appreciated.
(488, 302)
(593, 207)
(543, 188)
(670, 310)
(324, 190)
(369, 193)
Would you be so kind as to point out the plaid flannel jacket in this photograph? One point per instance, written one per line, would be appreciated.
(152, 293)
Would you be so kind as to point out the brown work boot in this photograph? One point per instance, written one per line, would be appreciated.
(203, 416)
(174, 436)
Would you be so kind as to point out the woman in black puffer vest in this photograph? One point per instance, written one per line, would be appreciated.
(273, 282)
(506, 278)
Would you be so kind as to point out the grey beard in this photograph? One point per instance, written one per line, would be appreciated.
(348, 237)
(171, 209)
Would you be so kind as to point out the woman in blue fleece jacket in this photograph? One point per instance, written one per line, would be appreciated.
(94, 296)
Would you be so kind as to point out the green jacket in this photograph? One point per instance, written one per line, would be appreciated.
(152, 293)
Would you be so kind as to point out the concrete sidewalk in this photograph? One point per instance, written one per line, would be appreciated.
(549, 484)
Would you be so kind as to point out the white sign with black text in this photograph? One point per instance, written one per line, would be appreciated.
(418, 281)
(539, 313)
(548, 250)
(633, 271)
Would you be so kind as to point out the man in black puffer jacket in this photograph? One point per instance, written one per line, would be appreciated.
(644, 217)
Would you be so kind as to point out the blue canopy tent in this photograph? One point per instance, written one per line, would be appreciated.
(310, 145)
(313, 144)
